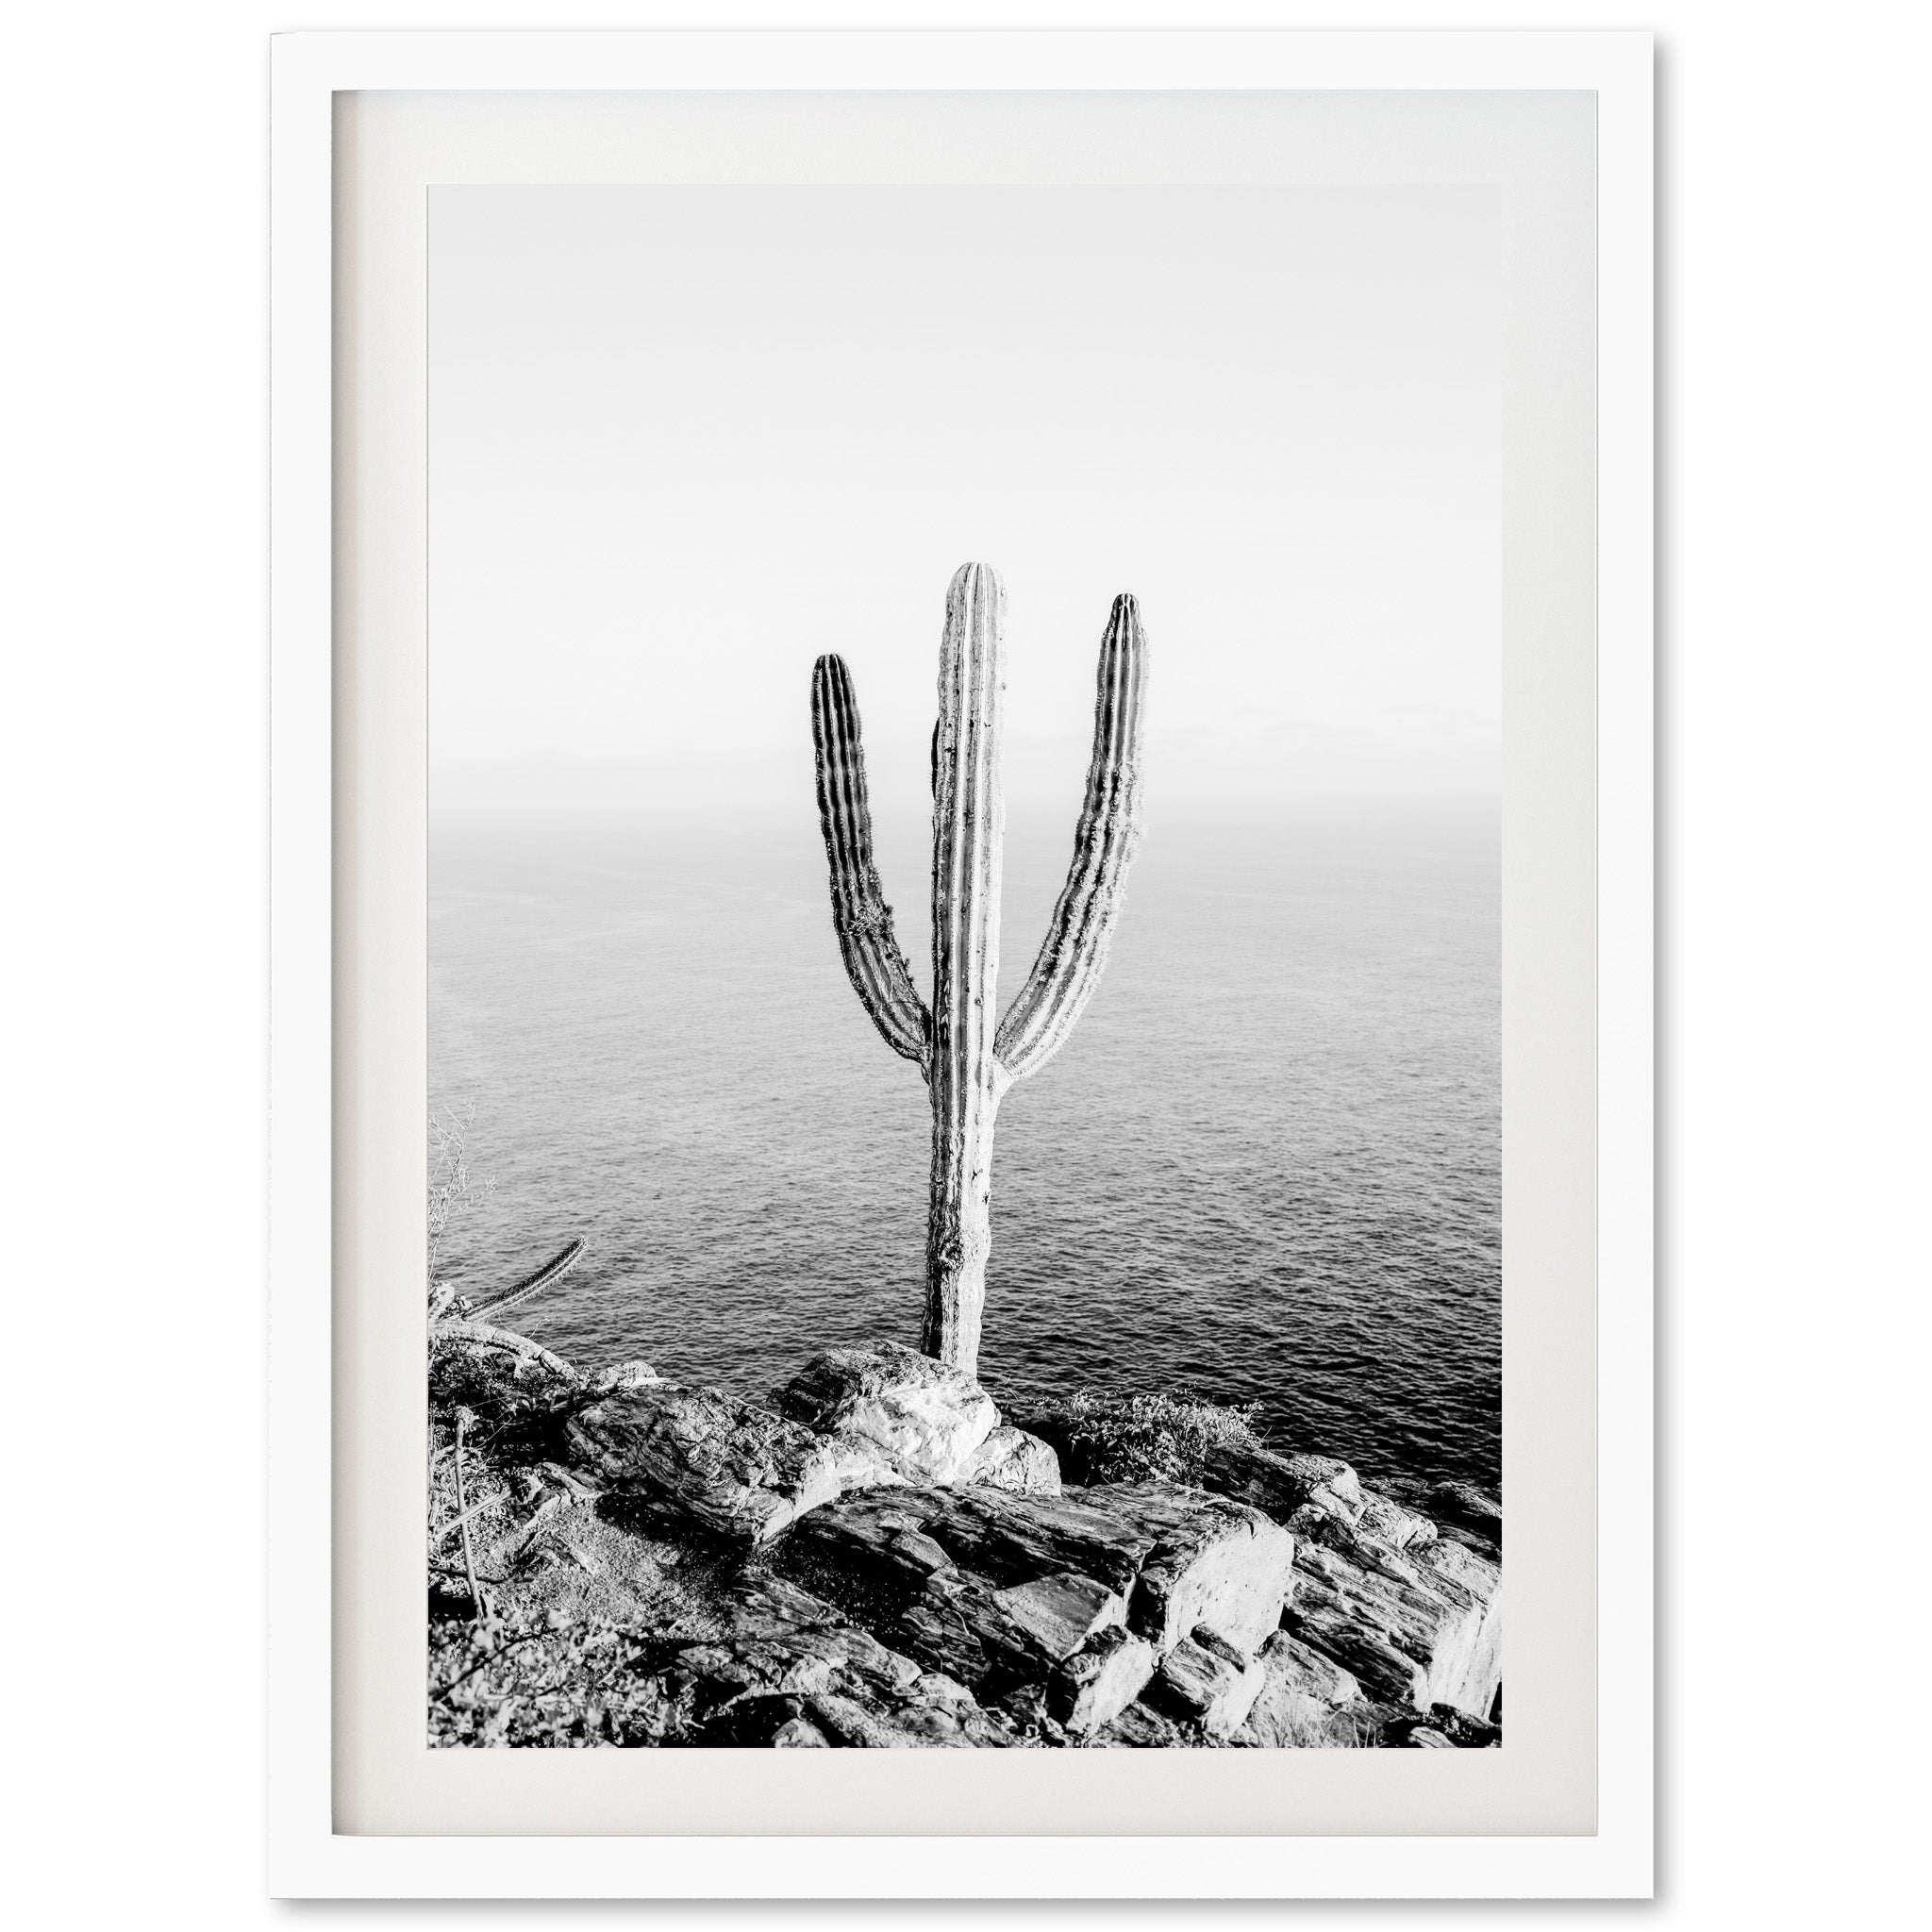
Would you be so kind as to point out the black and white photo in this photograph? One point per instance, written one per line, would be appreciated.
(965, 967)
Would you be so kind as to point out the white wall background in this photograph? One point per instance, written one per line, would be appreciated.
(1794, 693)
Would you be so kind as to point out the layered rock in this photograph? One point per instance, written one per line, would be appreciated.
(884, 1564)
(1213, 1561)
(739, 1472)
(1204, 1680)
(789, 1670)
(1094, 1685)
(1307, 1701)
(1062, 1608)
(1417, 1626)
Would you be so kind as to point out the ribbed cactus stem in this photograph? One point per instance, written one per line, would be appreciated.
(968, 1061)
(553, 1270)
(1075, 951)
(860, 916)
(968, 825)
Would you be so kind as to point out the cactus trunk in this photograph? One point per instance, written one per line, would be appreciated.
(968, 1061)
(968, 824)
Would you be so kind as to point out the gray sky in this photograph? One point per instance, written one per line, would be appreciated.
(683, 439)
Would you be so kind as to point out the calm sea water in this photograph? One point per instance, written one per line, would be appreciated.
(1266, 1168)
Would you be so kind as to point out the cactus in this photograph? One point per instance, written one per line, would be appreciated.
(969, 1062)
(559, 1265)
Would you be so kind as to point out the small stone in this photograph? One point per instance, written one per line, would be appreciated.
(1215, 1644)
(797, 1734)
(630, 1374)
(1465, 1732)
(918, 1549)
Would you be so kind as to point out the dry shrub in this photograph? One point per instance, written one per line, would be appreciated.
(1107, 1436)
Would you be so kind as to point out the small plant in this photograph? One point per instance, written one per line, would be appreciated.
(452, 1190)
(1103, 1437)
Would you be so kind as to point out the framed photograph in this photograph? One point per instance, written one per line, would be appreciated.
(962, 964)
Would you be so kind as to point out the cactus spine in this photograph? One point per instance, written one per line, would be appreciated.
(968, 1062)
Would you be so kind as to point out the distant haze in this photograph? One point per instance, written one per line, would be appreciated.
(683, 439)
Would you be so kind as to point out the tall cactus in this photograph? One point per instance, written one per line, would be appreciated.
(969, 1062)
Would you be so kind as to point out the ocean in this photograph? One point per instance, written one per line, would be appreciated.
(1267, 1167)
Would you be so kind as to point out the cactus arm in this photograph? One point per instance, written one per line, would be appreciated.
(1074, 950)
(555, 1269)
(863, 920)
(966, 1082)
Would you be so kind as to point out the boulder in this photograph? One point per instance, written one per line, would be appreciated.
(999, 1589)
(1061, 1611)
(1011, 1459)
(958, 1624)
(1280, 1485)
(928, 1418)
(1416, 1627)
(1472, 1511)
(1044, 1571)
(1204, 1680)
(1469, 1678)
(1211, 1561)
(1387, 1522)
(1015, 1538)
(785, 1664)
(741, 1472)
(1298, 1701)
(1093, 1687)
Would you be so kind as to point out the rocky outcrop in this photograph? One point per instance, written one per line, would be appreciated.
(1062, 1610)
(788, 1670)
(879, 1562)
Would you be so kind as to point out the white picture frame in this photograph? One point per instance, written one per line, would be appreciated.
(310, 1855)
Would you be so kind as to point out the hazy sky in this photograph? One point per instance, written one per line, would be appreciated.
(683, 439)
